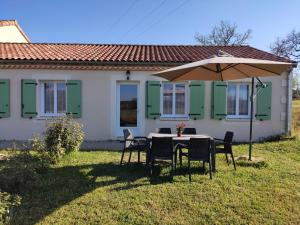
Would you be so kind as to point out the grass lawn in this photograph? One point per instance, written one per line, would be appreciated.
(91, 188)
(296, 117)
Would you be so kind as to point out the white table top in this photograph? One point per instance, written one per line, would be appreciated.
(184, 137)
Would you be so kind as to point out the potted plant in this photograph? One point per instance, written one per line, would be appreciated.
(179, 129)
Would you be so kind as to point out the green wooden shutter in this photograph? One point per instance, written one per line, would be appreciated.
(74, 98)
(197, 99)
(218, 101)
(152, 99)
(264, 101)
(28, 98)
(4, 98)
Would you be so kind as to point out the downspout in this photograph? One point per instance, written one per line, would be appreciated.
(289, 103)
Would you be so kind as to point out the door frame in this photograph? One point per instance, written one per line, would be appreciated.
(136, 130)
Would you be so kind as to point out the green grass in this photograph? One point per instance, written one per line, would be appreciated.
(91, 188)
(296, 118)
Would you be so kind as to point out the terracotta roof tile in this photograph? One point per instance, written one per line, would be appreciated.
(158, 54)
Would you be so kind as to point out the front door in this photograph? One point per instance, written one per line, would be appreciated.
(128, 107)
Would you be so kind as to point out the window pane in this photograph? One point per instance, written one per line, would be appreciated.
(128, 105)
(244, 99)
(167, 98)
(180, 99)
(61, 97)
(49, 97)
(231, 99)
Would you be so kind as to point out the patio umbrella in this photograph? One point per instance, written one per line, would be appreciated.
(227, 67)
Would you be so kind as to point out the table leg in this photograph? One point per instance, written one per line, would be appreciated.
(213, 157)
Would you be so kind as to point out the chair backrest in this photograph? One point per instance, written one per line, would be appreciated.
(228, 136)
(189, 130)
(164, 130)
(127, 135)
(199, 148)
(228, 139)
(162, 147)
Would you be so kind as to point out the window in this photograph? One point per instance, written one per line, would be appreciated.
(52, 98)
(238, 101)
(174, 100)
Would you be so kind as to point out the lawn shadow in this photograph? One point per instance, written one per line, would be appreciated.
(61, 185)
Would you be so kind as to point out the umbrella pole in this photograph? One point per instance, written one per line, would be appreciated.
(251, 119)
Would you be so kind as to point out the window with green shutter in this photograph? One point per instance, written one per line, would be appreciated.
(263, 101)
(28, 100)
(218, 101)
(153, 99)
(74, 98)
(197, 89)
(4, 98)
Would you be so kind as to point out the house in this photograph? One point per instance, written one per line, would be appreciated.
(109, 87)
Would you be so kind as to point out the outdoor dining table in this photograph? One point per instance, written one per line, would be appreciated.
(185, 138)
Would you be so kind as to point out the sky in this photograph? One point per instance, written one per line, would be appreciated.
(149, 21)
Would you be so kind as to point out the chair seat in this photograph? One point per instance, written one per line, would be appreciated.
(221, 150)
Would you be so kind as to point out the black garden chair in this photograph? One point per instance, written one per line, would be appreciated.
(224, 146)
(164, 130)
(162, 148)
(132, 143)
(186, 131)
(189, 130)
(199, 149)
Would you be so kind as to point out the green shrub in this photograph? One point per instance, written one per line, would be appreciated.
(63, 135)
(7, 203)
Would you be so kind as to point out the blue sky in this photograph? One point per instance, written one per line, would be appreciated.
(149, 21)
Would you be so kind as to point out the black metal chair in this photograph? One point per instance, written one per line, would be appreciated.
(162, 148)
(132, 143)
(225, 146)
(164, 130)
(189, 130)
(199, 149)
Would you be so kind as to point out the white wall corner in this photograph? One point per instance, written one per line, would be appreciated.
(283, 82)
(283, 99)
(283, 116)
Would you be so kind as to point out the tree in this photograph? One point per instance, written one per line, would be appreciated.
(224, 34)
(288, 47)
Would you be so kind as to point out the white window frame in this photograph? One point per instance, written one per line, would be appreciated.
(237, 116)
(173, 115)
(42, 98)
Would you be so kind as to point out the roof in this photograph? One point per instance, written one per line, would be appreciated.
(4, 23)
(109, 54)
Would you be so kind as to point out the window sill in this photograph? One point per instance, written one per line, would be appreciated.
(184, 118)
(48, 117)
(239, 119)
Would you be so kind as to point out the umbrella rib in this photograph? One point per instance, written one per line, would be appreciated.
(241, 72)
(204, 67)
(260, 68)
(230, 66)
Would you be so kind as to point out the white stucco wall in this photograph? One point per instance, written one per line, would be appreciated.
(99, 108)
(11, 34)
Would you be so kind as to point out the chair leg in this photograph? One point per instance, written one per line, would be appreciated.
(189, 168)
(210, 170)
(130, 156)
(227, 158)
(151, 167)
(180, 157)
(139, 156)
(123, 152)
(233, 161)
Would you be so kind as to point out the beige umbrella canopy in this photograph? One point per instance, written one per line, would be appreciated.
(226, 67)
